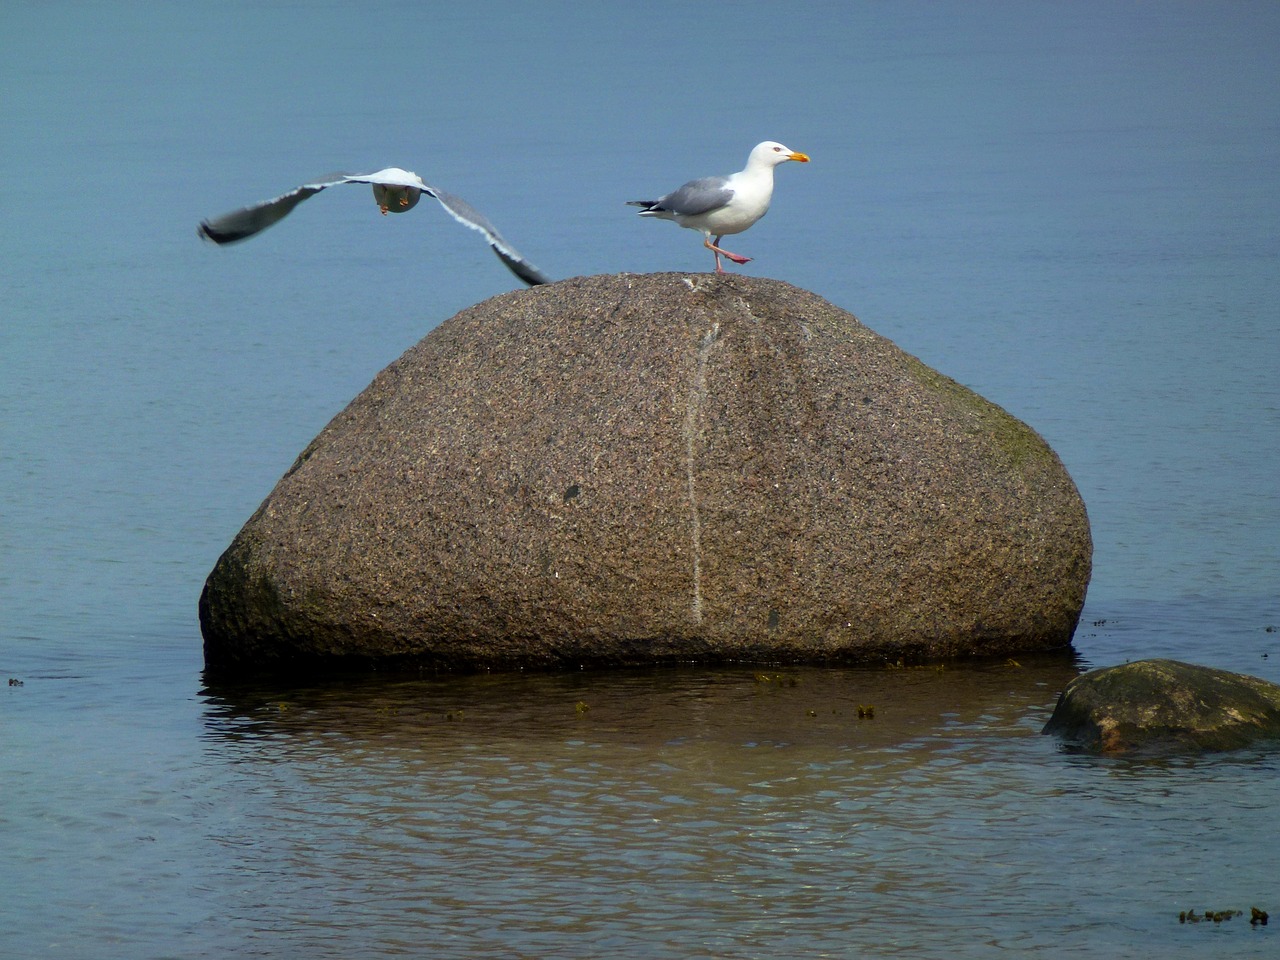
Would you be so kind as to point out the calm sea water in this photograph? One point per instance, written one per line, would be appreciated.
(1070, 208)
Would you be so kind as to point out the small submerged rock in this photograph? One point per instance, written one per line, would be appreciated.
(1166, 706)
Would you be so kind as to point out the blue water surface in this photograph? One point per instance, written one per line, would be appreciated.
(1070, 208)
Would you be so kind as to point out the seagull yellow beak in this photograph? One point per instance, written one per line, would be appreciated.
(802, 157)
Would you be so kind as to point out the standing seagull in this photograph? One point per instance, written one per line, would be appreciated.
(720, 206)
(395, 190)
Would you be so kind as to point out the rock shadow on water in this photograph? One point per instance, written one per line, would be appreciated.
(819, 708)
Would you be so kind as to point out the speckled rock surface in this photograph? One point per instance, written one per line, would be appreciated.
(635, 469)
(1166, 706)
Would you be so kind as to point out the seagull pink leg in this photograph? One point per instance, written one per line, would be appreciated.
(717, 251)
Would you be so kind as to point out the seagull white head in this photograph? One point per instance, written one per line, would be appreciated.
(771, 153)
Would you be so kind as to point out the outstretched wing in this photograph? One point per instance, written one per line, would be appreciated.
(245, 222)
(469, 216)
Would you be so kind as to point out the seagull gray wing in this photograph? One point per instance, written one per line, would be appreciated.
(697, 196)
(245, 222)
(469, 216)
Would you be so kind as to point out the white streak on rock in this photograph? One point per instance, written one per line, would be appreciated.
(693, 413)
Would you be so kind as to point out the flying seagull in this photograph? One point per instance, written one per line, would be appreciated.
(720, 206)
(395, 190)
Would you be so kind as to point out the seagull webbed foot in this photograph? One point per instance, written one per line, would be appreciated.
(714, 248)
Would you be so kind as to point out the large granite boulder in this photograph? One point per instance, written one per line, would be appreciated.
(1165, 706)
(637, 469)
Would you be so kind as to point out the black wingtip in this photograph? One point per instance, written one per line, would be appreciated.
(523, 269)
(533, 276)
(206, 231)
